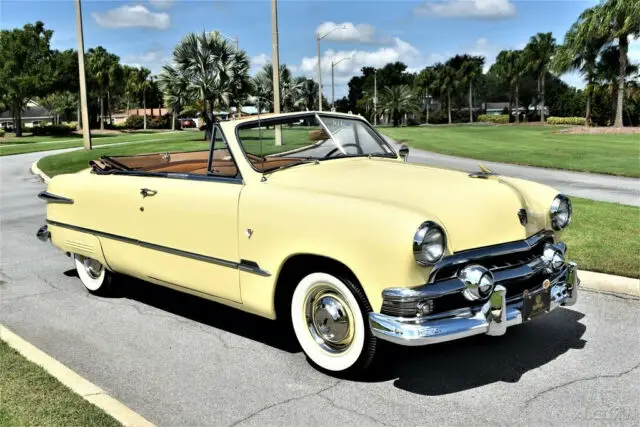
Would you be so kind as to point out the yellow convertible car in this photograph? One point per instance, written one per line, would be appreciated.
(313, 218)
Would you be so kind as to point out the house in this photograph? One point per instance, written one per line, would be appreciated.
(33, 115)
(119, 117)
(497, 108)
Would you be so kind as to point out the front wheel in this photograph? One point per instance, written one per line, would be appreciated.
(94, 276)
(328, 317)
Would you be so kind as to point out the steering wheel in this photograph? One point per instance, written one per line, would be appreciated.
(358, 149)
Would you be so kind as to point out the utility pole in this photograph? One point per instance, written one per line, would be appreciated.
(319, 75)
(276, 67)
(375, 97)
(86, 132)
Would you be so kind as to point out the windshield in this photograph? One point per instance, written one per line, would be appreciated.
(308, 138)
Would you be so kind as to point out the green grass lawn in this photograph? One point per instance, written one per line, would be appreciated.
(604, 237)
(542, 146)
(29, 396)
(29, 144)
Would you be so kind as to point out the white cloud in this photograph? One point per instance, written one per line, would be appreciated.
(152, 59)
(162, 4)
(132, 16)
(345, 70)
(485, 9)
(257, 62)
(634, 50)
(348, 32)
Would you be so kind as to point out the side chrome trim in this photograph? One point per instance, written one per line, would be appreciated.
(54, 198)
(489, 251)
(249, 266)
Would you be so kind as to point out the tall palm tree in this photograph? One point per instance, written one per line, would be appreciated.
(291, 89)
(398, 100)
(510, 66)
(217, 72)
(446, 82)
(130, 74)
(580, 53)
(142, 85)
(607, 73)
(471, 70)
(308, 96)
(619, 20)
(99, 64)
(539, 53)
(175, 89)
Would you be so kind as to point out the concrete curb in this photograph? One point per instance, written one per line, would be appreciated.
(589, 279)
(79, 385)
(36, 171)
(609, 283)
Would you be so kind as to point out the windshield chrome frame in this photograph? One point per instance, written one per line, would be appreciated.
(271, 121)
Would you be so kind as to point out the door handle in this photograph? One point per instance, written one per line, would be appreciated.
(147, 192)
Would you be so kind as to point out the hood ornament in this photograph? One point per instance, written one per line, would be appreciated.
(484, 173)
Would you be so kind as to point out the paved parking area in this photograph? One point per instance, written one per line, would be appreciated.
(180, 360)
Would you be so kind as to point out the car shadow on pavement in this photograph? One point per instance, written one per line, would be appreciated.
(207, 312)
(432, 370)
(477, 361)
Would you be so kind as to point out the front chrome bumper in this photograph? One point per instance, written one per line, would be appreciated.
(492, 318)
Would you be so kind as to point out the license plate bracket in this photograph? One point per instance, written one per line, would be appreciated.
(536, 303)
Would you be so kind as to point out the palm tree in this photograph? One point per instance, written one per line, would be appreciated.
(291, 89)
(216, 71)
(308, 96)
(446, 81)
(130, 82)
(471, 70)
(619, 20)
(580, 52)
(175, 89)
(99, 64)
(607, 72)
(510, 66)
(538, 54)
(142, 85)
(398, 100)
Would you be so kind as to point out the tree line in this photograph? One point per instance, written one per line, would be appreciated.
(596, 46)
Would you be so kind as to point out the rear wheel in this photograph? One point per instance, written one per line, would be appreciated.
(329, 320)
(94, 276)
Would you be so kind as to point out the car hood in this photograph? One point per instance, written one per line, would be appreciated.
(474, 212)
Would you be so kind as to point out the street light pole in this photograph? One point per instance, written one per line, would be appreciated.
(375, 97)
(86, 132)
(276, 67)
(318, 38)
(333, 64)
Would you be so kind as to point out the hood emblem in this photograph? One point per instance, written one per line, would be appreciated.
(522, 216)
(484, 174)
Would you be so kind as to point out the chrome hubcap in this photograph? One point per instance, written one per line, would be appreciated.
(92, 267)
(329, 319)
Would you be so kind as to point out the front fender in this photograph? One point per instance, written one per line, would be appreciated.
(371, 238)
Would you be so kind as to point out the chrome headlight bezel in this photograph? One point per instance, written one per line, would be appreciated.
(429, 233)
(560, 204)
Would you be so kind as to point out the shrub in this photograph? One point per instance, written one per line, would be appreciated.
(577, 121)
(412, 121)
(1, 132)
(134, 122)
(160, 122)
(52, 130)
(490, 118)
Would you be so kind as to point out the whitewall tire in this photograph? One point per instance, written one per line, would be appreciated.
(93, 275)
(329, 317)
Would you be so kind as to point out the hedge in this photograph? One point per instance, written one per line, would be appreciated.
(52, 130)
(157, 122)
(1, 132)
(134, 122)
(578, 121)
(490, 118)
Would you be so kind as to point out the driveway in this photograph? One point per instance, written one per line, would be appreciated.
(180, 360)
(607, 188)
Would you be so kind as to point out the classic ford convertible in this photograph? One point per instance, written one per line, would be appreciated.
(313, 218)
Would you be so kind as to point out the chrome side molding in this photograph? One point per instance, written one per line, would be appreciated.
(54, 198)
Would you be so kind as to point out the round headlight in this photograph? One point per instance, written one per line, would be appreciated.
(428, 243)
(560, 212)
(553, 256)
(478, 282)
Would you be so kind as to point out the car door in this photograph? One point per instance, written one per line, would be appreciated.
(186, 229)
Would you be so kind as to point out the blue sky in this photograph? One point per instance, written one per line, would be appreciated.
(419, 33)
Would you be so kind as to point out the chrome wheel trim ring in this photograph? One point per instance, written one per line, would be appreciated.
(92, 267)
(329, 318)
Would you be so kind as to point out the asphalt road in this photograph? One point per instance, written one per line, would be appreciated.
(607, 188)
(180, 360)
